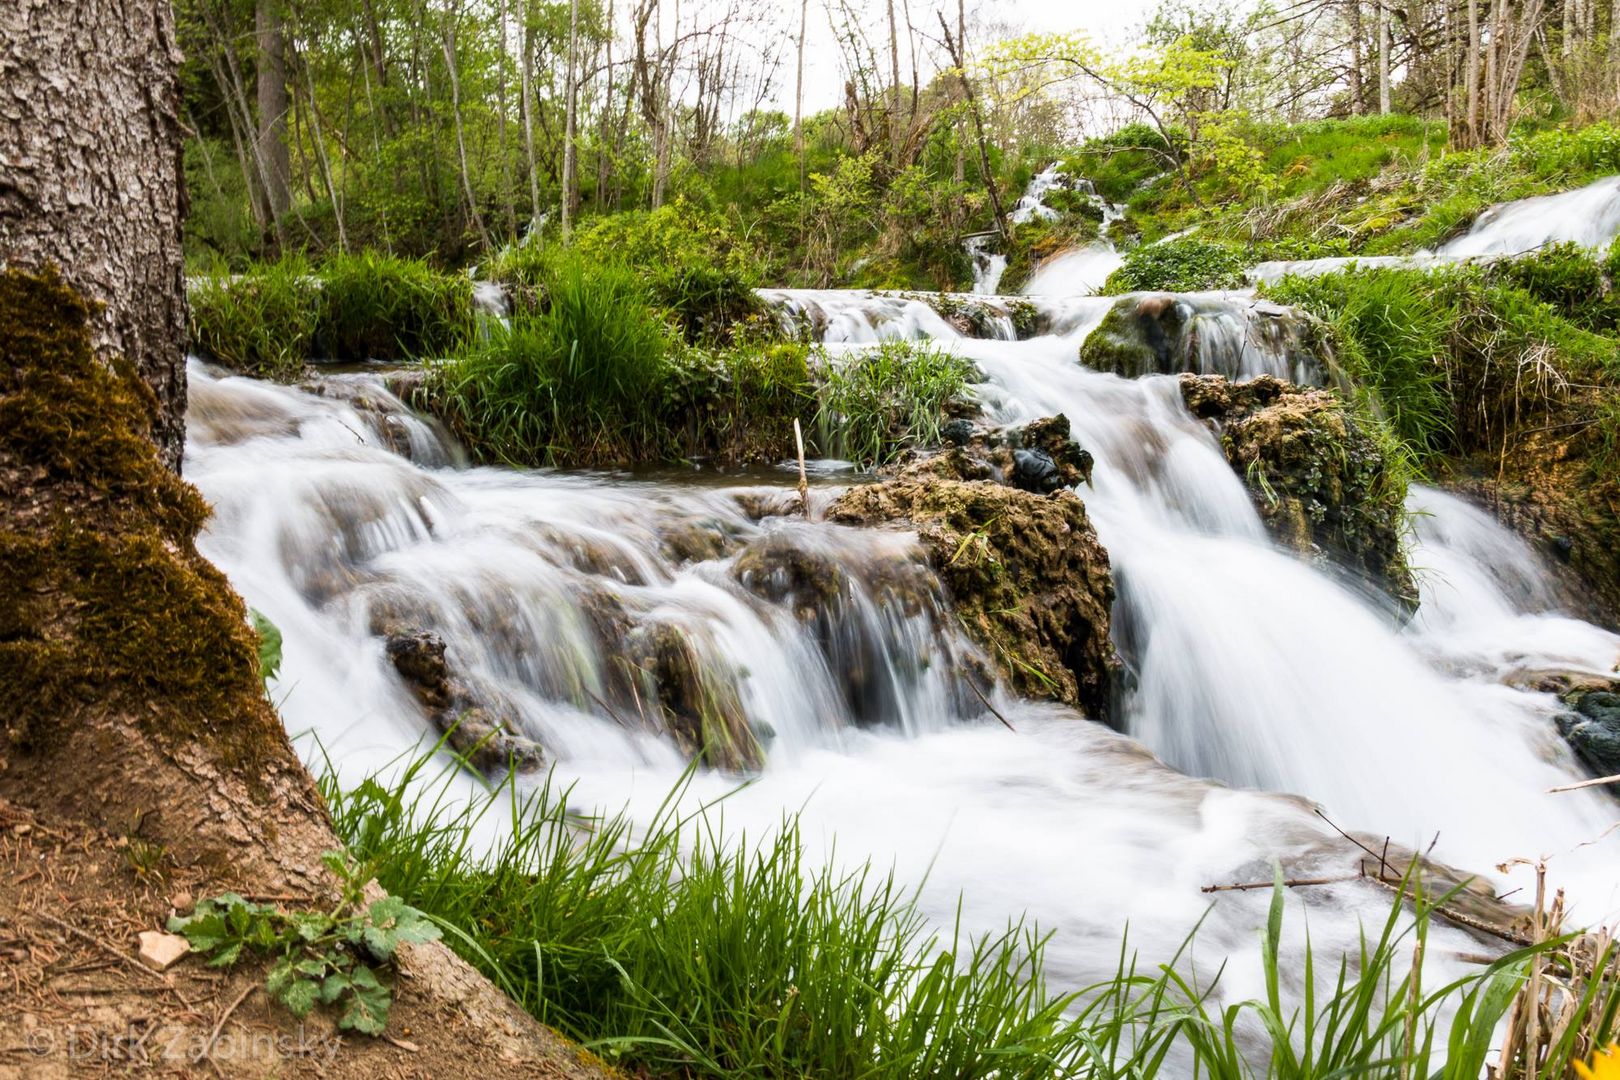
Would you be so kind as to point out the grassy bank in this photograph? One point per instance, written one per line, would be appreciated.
(1366, 185)
(1461, 359)
(675, 950)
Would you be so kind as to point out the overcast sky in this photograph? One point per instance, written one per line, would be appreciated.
(1103, 20)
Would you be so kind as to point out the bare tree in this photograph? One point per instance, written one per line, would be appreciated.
(570, 194)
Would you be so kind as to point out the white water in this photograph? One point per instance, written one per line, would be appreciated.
(1588, 216)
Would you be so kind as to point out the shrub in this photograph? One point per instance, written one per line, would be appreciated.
(376, 307)
(259, 323)
(1567, 277)
(875, 404)
(1179, 266)
(693, 262)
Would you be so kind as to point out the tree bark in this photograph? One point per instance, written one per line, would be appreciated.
(83, 188)
(798, 94)
(270, 33)
(571, 92)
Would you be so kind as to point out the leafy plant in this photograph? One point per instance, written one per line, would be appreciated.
(269, 644)
(326, 957)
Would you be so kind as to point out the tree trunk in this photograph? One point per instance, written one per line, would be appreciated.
(528, 119)
(134, 706)
(84, 188)
(571, 94)
(1383, 57)
(1358, 92)
(270, 34)
(798, 94)
(895, 136)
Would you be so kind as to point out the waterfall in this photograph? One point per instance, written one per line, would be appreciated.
(1258, 685)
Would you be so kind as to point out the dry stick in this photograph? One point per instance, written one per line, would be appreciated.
(213, 1036)
(609, 710)
(1532, 1042)
(1599, 782)
(111, 950)
(1416, 1000)
(993, 710)
(1291, 883)
(804, 478)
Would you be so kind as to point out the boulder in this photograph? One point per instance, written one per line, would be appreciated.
(1323, 483)
(1026, 575)
(1592, 728)
(697, 706)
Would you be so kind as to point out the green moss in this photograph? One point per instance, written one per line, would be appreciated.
(107, 606)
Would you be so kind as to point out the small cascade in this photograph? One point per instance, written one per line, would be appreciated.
(1079, 272)
(1072, 273)
(1588, 216)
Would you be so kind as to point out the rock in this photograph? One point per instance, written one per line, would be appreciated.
(476, 727)
(1026, 575)
(1034, 470)
(853, 600)
(958, 432)
(1168, 333)
(1592, 729)
(161, 951)
(697, 706)
(1322, 483)
(1040, 456)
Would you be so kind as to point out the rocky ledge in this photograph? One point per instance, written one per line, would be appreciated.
(1012, 543)
(1323, 483)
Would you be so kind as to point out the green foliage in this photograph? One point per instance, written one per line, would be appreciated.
(1118, 164)
(274, 317)
(330, 958)
(1179, 266)
(1455, 357)
(374, 307)
(676, 950)
(693, 262)
(875, 404)
(580, 375)
(260, 323)
(1566, 277)
(269, 645)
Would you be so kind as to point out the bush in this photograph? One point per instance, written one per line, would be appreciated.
(1565, 276)
(269, 321)
(1178, 266)
(693, 262)
(875, 404)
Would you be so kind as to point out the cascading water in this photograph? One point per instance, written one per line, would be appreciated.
(339, 513)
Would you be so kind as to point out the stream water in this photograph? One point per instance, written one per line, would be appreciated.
(1260, 684)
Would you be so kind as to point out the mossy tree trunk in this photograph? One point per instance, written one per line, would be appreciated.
(90, 173)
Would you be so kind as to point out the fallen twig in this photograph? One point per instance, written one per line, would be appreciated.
(213, 1036)
(1599, 782)
(993, 710)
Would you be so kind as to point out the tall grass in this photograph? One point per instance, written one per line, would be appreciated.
(260, 323)
(375, 307)
(272, 319)
(580, 375)
(874, 405)
(678, 950)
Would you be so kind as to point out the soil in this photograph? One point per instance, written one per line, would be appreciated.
(76, 1001)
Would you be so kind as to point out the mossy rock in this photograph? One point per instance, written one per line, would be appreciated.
(1027, 577)
(1324, 485)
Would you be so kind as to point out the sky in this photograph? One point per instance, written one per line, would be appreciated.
(1104, 21)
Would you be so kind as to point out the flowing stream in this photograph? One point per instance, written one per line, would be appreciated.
(1260, 685)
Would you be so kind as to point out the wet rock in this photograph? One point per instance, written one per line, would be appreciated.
(1027, 577)
(1322, 483)
(1041, 456)
(477, 728)
(697, 540)
(853, 604)
(697, 705)
(1591, 725)
(1168, 333)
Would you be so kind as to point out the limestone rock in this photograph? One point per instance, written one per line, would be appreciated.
(1323, 485)
(160, 951)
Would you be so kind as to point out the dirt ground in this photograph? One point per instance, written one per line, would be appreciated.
(76, 1001)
